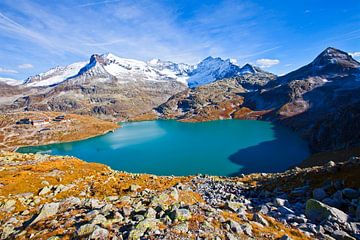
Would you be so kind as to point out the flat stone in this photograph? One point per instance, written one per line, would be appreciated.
(233, 206)
(48, 210)
(182, 227)
(181, 214)
(93, 203)
(99, 234)
(8, 205)
(99, 219)
(141, 227)
(45, 190)
(134, 187)
(341, 235)
(150, 213)
(85, 230)
(279, 202)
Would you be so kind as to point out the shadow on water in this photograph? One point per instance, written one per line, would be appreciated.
(286, 150)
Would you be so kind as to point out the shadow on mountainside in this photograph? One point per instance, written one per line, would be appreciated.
(286, 150)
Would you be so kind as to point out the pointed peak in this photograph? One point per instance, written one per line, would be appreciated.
(248, 68)
(154, 61)
(333, 56)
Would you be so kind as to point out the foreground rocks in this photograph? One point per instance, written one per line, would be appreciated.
(107, 204)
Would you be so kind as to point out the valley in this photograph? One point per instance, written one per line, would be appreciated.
(64, 197)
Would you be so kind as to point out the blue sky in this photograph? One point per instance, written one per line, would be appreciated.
(278, 35)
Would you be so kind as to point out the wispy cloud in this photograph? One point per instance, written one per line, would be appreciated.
(25, 66)
(266, 63)
(355, 54)
(98, 3)
(7, 70)
(48, 33)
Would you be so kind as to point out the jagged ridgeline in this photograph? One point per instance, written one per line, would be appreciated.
(320, 100)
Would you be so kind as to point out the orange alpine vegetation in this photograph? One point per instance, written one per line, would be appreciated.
(65, 197)
(39, 128)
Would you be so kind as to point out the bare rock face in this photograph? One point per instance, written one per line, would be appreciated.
(319, 101)
(107, 87)
(218, 100)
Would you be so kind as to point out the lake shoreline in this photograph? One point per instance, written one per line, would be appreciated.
(157, 147)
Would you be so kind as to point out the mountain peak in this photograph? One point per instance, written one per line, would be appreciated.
(332, 56)
(248, 68)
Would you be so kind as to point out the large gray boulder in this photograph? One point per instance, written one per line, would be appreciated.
(48, 210)
(318, 211)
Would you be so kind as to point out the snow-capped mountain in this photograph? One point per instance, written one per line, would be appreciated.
(10, 81)
(109, 67)
(212, 69)
(54, 76)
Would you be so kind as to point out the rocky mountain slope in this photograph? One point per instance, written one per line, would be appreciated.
(320, 100)
(222, 99)
(45, 196)
(112, 87)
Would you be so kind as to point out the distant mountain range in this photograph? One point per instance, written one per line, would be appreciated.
(108, 66)
(320, 100)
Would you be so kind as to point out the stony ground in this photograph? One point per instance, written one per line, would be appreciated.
(48, 197)
(75, 127)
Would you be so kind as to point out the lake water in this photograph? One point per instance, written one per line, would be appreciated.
(227, 147)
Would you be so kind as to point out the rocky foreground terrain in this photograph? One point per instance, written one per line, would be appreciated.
(49, 197)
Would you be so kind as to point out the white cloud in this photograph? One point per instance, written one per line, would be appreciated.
(266, 63)
(6, 70)
(355, 54)
(25, 66)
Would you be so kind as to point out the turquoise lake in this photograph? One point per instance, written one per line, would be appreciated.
(227, 148)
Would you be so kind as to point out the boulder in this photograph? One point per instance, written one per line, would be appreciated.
(233, 206)
(99, 234)
(279, 202)
(150, 213)
(141, 227)
(235, 226)
(181, 214)
(350, 193)
(319, 194)
(318, 211)
(45, 190)
(341, 235)
(85, 230)
(182, 227)
(47, 210)
(134, 187)
(285, 237)
(260, 219)
(9, 205)
(99, 219)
